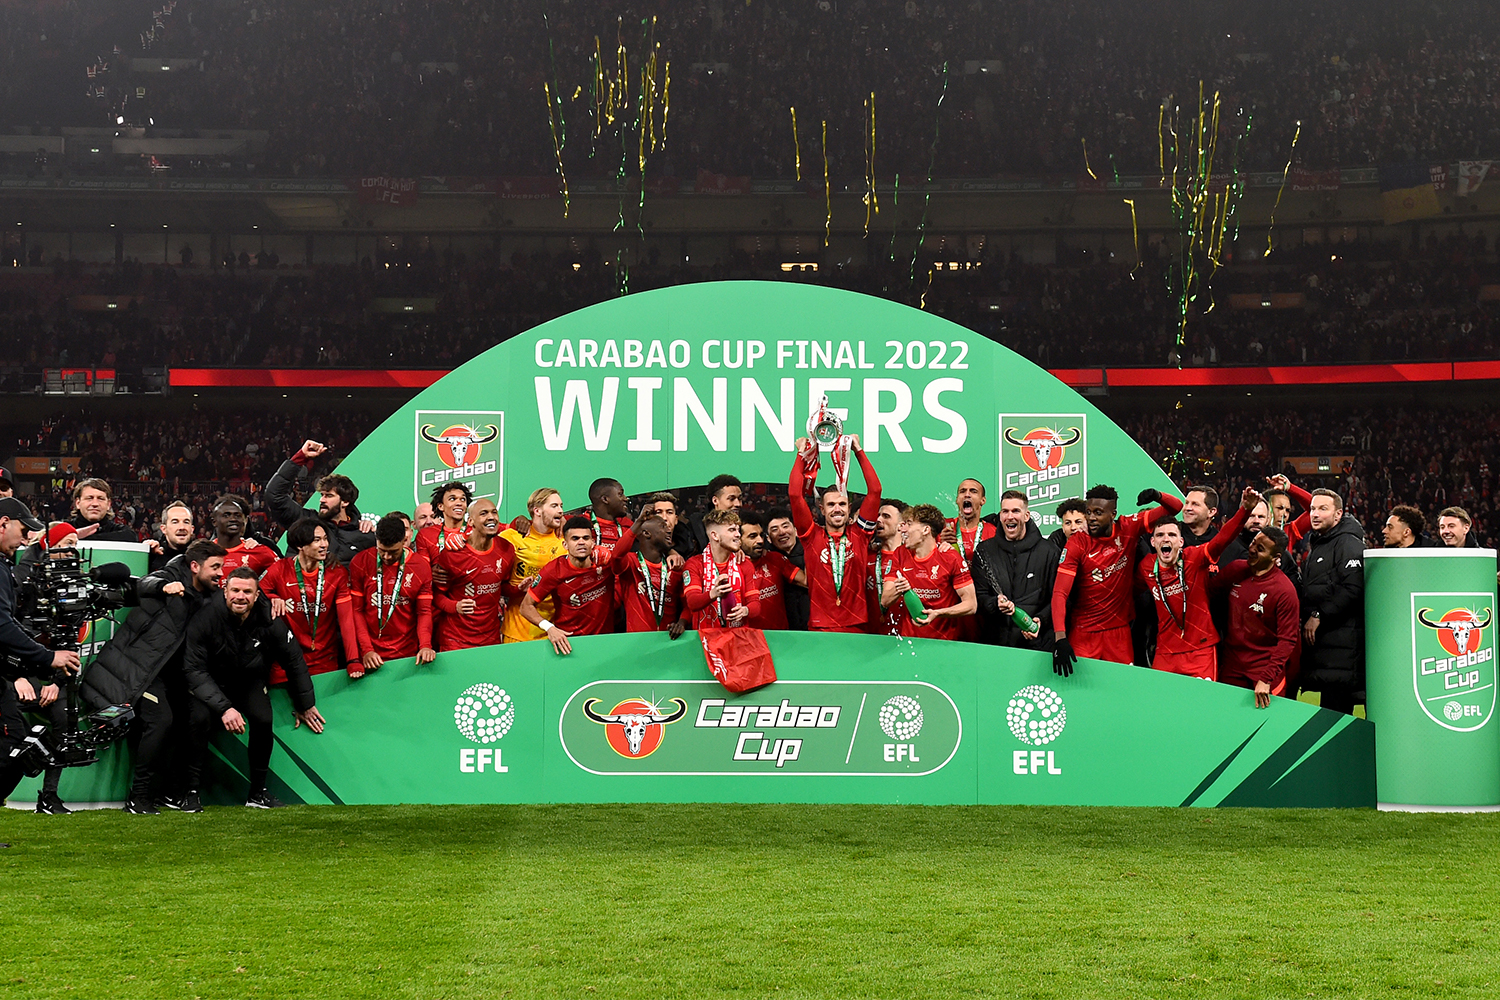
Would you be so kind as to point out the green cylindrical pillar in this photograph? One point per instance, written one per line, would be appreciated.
(1430, 668)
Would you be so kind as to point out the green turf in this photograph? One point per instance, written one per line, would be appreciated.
(787, 901)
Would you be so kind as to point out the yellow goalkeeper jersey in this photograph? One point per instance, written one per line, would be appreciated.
(533, 551)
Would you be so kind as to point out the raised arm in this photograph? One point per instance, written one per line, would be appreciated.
(801, 514)
(1232, 527)
(1168, 505)
(869, 508)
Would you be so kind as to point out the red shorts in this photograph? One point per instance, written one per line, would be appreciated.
(1202, 663)
(1113, 644)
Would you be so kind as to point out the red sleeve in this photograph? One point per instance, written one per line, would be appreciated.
(359, 603)
(1067, 571)
(424, 608)
(1297, 493)
(694, 594)
(1229, 575)
(269, 581)
(1298, 529)
(1288, 634)
(445, 604)
(1169, 505)
(546, 582)
(1227, 534)
(869, 507)
(302, 459)
(962, 578)
(622, 555)
(802, 517)
(350, 625)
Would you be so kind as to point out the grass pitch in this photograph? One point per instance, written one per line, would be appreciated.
(755, 901)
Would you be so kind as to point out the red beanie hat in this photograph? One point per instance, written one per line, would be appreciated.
(58, 532)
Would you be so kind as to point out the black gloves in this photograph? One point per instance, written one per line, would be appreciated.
(1063, 658)
(1148, 497)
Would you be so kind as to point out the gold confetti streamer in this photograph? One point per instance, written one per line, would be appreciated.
(796, 143)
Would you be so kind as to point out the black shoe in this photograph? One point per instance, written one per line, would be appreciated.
(191, 803)
(141, 807)
(263, 800)
(170, 802)
(49, 804)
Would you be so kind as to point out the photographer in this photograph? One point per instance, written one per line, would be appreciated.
(22, 654)
(142, 665)
(232, 643)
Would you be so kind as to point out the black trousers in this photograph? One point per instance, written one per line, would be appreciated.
(13, 730)
(252, 701)
(56, 715)
(149, 736)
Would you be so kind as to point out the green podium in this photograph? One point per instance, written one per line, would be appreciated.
(1430, 668)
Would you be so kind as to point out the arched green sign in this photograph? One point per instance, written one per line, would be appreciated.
(669, 388)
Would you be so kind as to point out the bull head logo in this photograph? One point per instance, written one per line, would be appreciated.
(1042, 447)
(635, 717)
(454, 442)
(1460, 624)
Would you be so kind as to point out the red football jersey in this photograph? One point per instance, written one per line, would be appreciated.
(435, 538)
(936, 580)
(696, 582)
(637, 595)
(883, 621)
(394, 622)
(1184, 625)
(1103, 568)
(479, 575)
(771, 574)
(259, 559)
(607, 536)
(969, 538)
(325, 629)
(839, 608)
(585, 597)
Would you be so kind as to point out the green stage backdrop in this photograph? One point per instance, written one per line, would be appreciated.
(669, 388)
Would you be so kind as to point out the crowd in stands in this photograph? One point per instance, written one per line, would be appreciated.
(1361, 302)
(425, 87)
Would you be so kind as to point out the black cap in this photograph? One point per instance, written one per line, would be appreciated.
(13, 508)
(6, 477)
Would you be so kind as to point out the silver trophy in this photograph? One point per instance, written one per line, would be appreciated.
(824, 426)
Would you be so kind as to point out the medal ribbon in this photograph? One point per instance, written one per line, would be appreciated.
(837, 556)
(317, 607)
(711, 569)
(1181, 623)
(382, 622)
(657, 599)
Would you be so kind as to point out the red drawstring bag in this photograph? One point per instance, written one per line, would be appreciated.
(738, 658)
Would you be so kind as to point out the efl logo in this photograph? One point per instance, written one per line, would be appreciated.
(1453, 659)
(1044, 455)
(635, 727)
(1036, 715)
(484, 713)
(460, 446)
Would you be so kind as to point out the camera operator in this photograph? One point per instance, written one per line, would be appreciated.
(142, 665)
(232, 643)
(16, 646)
(92, 499)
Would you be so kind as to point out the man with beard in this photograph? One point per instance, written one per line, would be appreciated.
(542, 543)
(1403, 529)
(392, 589)
(1260, 648)
(649, 589)
(141, 666)
(773, 576)
(939, 577)
(1176, 579)
(838, 552)
(91, 513)
(781, 533)
(232, 645)
(173, 535)
(1015, 569)
(230, 519)
(451, 502)
(476, 582)
(1100, 561)
(584, 590)
(885, 557)
(312, 592)
(348, 532)
(970, 527)
(717, 583)
(1333, 605)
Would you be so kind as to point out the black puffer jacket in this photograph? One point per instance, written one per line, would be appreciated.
(221, 650)
(109, 530)
(344, 538)
(149, 642)
(1024, 571)
(1333, 585)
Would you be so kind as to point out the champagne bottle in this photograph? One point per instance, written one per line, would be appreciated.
(914, 606)
(1023, 621)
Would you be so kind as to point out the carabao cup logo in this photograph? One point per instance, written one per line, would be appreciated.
(1453, 660)
(635, 726)
(459, 447)
(460, 444)
(1045, 456)
(1043, 447)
